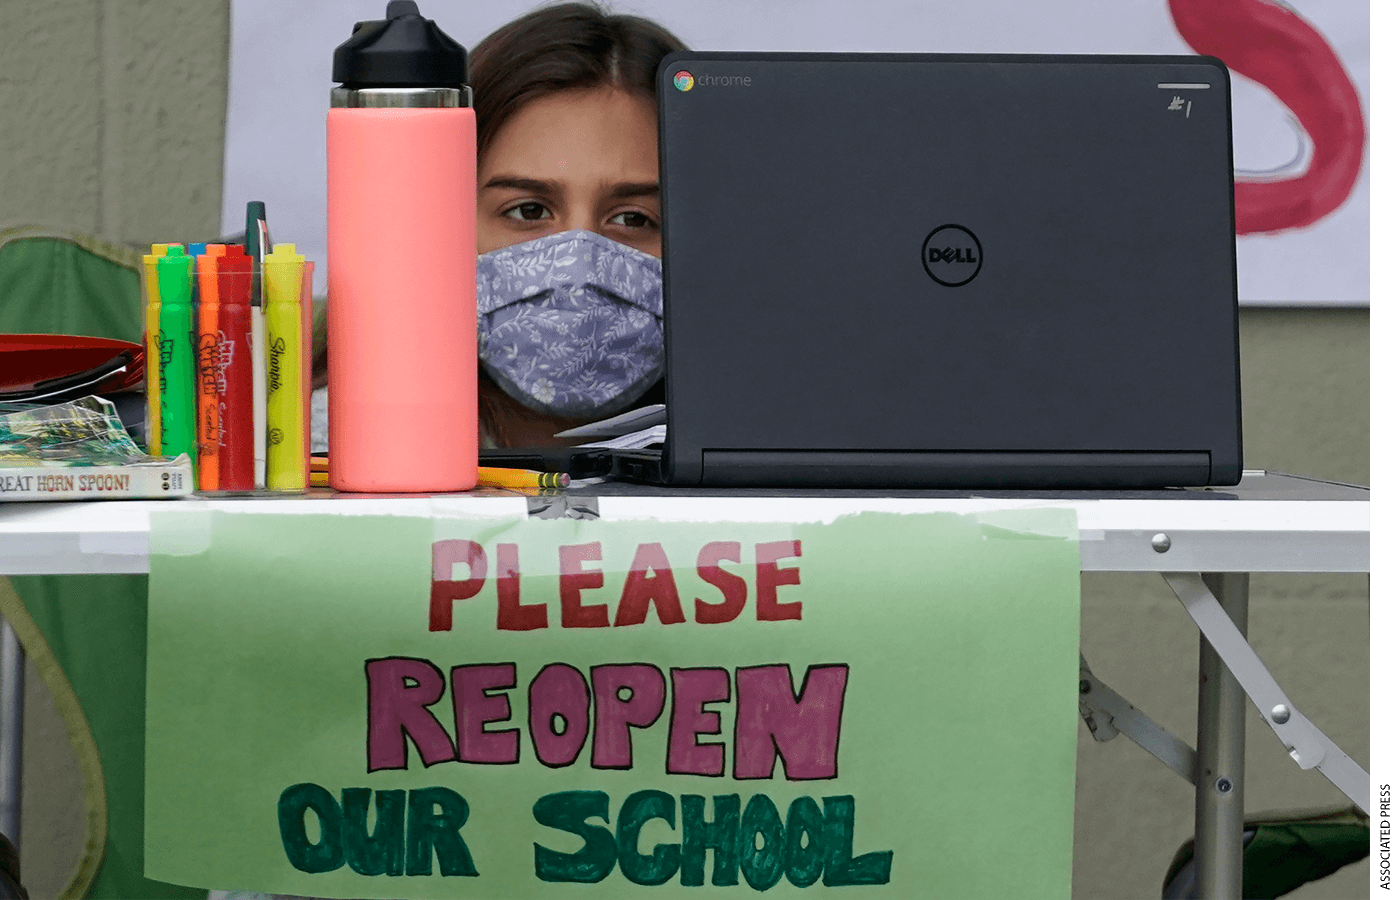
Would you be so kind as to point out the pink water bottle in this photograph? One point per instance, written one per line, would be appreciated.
(401, 260)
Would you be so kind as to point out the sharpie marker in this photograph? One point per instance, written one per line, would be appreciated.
(207, 366)
(177, 369)
(236, 366)
(286, 397)
(150, 293)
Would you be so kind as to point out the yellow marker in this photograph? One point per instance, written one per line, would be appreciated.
(286, 386)
(150, 294)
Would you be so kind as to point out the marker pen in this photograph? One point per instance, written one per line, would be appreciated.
(286, 397)
(307, 271)
(150, 293)
(177, 369)
(255, 242)
(207, 366)
(235, 269)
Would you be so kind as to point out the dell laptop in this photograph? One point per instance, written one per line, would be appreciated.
(994, 271)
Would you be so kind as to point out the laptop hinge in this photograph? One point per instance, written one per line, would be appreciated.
(961, 469)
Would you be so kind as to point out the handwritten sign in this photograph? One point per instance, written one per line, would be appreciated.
(364, 706)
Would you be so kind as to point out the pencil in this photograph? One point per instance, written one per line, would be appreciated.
(486, 476)
(489, 476)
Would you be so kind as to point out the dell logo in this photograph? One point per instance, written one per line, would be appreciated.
(952, 255)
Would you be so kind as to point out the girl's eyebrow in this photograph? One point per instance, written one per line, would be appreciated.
(548, 187)
(635, 189)
(519, 183)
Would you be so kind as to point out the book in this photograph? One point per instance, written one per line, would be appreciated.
(80, 451)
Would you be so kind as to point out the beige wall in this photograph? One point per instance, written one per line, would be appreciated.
(111, 119)
(112, 115)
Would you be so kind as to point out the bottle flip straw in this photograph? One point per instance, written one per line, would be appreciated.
(401, 259)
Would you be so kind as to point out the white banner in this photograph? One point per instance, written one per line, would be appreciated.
(1303, 207)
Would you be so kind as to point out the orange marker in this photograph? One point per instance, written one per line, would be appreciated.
(207, 368)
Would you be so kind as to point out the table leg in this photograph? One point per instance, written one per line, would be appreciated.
(11, 730)
(1220, 756)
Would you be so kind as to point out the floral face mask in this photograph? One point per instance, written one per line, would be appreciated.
(570, 324)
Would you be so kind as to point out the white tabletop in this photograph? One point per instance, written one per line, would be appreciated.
(1269, 523)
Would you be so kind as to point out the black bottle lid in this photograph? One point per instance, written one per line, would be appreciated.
(401, 50)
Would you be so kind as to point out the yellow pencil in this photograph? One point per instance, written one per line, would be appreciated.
(486, 476)
(489, 476)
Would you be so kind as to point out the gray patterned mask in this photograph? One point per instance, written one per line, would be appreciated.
(570, 324)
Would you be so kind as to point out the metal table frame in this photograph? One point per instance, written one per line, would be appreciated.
(1204, 542)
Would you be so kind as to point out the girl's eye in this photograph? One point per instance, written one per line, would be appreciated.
(529, 211)
(632, 219)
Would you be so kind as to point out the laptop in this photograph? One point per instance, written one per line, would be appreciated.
(947, 271)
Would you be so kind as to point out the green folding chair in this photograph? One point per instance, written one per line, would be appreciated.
(86, 634)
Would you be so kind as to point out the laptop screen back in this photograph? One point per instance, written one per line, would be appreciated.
(998, 262)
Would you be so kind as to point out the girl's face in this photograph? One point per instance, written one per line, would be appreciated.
(577, 159)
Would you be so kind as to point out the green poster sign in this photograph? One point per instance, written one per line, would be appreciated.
(388, 706)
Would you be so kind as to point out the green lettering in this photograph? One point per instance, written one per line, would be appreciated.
(803, 854)
(839, 835)
(435, 819)
(382, 852)
(762, 866)
(637, 809)
(568, 811)
(327, 854)
(720, 835)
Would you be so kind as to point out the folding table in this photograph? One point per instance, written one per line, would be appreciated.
(1205, 542)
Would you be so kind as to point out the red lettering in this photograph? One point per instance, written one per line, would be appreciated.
(574, 580)
(732, 586)
(510, 615)
(624, 697)
(770, 721)
(641, 590)
(400, 691)
(691, 690)
(558, 696)
(475, 708)
(446, 589)
(770, 577)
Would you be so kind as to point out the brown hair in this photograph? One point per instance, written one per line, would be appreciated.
(558, 47)
(562, 47)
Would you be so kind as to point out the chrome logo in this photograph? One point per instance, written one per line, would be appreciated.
(684, 80)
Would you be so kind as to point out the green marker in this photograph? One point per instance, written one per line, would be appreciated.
(174, 273)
